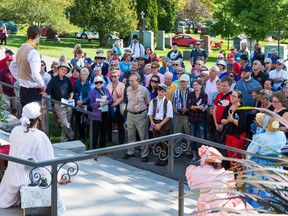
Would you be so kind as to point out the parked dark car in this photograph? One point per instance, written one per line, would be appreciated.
(11, 28)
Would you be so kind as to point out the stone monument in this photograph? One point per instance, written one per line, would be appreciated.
(160, 40)
(148, 39)
(142, 27)
(206, 42)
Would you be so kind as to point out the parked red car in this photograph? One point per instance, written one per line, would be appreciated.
(185, 40)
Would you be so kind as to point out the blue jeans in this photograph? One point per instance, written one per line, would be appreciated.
(198, 130)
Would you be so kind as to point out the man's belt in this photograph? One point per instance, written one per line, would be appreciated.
(135, 113)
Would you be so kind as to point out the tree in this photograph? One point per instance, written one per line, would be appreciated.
(196, 11)
(150, 8)
(167, 13)
(38, 12)
(224, 23)
(259, 19)
(105, 16)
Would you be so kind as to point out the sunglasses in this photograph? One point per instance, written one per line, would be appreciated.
(219, 58)
(113, 76)
(154, 81)
(99, 82)
(179, 73)
(231, 76)
(267, 62)
(197, 44)
(279, 63)
(154, 67)
(175, 64)
(255, 64)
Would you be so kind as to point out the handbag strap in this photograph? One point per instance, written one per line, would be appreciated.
(245, 87)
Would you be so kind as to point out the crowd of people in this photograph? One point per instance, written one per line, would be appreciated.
(151, 96)
(122, 89)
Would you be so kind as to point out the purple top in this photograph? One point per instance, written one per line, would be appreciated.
(95, 105)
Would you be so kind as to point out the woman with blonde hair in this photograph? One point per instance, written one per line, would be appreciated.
(3, 36)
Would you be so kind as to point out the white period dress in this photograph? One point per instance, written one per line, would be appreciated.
(33, 144)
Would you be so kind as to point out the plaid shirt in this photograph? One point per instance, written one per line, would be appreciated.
(196, 116)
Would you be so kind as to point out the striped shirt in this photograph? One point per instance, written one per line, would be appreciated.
(179, 98)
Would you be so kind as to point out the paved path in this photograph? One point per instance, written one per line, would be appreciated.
(109, 187)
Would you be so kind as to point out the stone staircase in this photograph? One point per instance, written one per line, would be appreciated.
(109, 187)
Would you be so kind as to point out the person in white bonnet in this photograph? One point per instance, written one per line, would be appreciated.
(27, 142)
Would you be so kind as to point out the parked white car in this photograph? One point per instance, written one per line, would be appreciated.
(88, 35)
(95, 35)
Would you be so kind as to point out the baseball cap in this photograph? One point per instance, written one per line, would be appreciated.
(221, 62)
(281, 61)
(89, 60)
(230, 56)
(246, 69)
(8, 51)
(268, 60)
(184, 77)
(244, 57)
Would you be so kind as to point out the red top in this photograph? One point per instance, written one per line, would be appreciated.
(73, 79)
(221, 105)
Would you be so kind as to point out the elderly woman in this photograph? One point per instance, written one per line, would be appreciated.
(125, 65)
(98, 72)
(155, 71)
(116, 89)
(81, 90)
(101, 101)
(147, 69)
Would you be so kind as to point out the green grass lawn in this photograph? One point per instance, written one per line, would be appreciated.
(66, 45)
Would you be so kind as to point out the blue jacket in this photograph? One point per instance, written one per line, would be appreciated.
(81, 92)
(95, 105)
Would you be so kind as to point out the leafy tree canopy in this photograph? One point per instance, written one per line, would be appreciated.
(37, 12)
(105, 16)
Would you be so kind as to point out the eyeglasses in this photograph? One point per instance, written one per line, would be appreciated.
(154, 81)
(219, 58)
(113, 76)
(113, 65)
(154, 67)
(179, 73)
(279, 63)
(234, 96)
(98, 82)
(175, 64)
(276, 102)
(267, 62)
